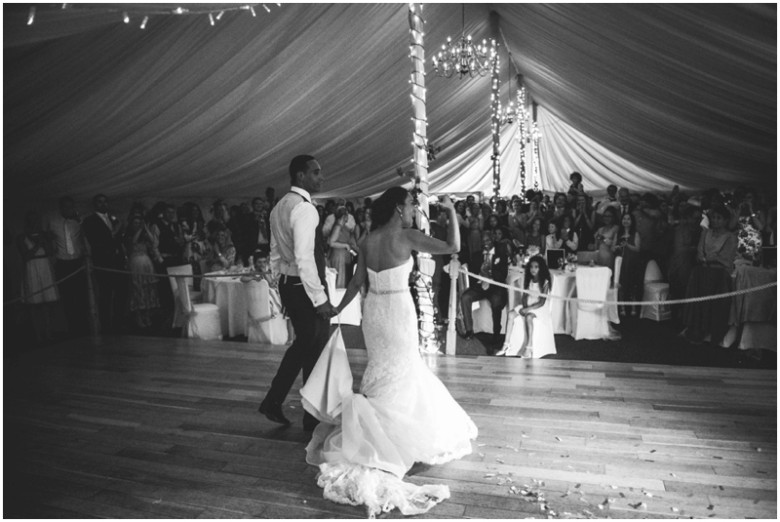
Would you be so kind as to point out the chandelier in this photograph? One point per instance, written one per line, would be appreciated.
(508, 113)
(463, 56)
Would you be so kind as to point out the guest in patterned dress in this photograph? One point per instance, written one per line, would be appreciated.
(38, 289)
(138, 244)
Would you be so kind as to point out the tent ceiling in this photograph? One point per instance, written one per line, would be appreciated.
(645, 96)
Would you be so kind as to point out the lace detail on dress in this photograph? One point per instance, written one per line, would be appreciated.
(379, 491)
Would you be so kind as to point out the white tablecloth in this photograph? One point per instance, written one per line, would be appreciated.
(229, 295)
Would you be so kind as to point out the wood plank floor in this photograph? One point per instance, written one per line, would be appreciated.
(139, 427)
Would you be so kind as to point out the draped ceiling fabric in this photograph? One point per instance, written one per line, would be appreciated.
(642, 96)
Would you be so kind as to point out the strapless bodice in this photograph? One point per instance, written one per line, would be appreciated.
(390, 280)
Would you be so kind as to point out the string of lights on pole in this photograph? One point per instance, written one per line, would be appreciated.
(522, 136)
(212, 15)
(495, 127)
(423, 277)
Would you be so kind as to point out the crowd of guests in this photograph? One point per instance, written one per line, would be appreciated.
(695, 240)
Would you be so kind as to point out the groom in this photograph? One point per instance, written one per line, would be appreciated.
(298, 260)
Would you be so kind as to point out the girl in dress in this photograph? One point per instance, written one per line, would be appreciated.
(538, 281)
(342, 248)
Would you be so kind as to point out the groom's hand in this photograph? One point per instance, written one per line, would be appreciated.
(326, 310)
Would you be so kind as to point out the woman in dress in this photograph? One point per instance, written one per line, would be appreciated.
(632, 268)
(570, 239)
(535, 238)
(221, 253)
(683, 257)
(342, 248)
(38, 289)
(138, 244)
(584, 219)
(403, 413)
(715, 255)
(606, 238)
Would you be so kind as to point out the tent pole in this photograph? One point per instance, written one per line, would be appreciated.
(426, 265)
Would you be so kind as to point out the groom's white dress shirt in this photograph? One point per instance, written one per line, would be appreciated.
(294, 222)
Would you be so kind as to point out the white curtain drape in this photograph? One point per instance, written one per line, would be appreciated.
(643, 96)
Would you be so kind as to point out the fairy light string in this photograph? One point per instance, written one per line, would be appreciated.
(124, 14)
(425, 263)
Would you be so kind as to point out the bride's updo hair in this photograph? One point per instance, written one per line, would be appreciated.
(383, 208)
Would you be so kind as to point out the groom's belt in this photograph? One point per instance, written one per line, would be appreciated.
(290, 280)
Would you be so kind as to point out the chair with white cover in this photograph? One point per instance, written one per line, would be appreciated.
(655, 289)
(543, 337)
(613, 294)
(265, 322)
(184, 270)
(353, 313)
(199, 320)
(481, 313)
(592, 318)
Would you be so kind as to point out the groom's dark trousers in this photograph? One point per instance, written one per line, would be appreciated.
(311, 335)
(311, 331)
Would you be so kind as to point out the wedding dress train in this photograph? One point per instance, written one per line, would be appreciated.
(403, 414)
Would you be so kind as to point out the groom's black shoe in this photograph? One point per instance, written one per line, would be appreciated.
(273, 412)
(309, 422)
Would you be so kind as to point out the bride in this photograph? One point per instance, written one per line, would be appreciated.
(403, 413)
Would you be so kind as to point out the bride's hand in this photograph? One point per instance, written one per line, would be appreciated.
(446, 203)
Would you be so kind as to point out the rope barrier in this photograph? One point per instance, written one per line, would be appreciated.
(623, 303)
(42, 290)
(196, 276)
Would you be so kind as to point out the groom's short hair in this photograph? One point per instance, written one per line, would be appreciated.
(299, 164)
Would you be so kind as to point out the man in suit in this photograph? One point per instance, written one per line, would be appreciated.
(102, 233)
(494, 264)
(297, 259)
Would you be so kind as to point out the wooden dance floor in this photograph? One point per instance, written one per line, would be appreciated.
(137, 427)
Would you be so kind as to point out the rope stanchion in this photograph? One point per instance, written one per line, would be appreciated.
(42, 290)
(623, 303)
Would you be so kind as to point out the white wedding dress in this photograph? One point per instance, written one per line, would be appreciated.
(402, 415)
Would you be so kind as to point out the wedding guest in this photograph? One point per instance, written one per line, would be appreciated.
(440, 282)
(683, 256)
(537, 280)
(570, 241)
(552, 241)
(169, 238)
(559, 208)
(535, 238)
(270, 198)
(576, 188)
(221, 253)
(220, 215)
(606, 237)
(516, 222)
(494, 266)
(632, 268)
(343, 248)
(69, 250)
(473, 238)
(194, 230)
(584, 223)
(609, 201)
(139, 246)
(102, 231)
(502, 212)
(625, 205)
(39, 292)
(712, 275)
